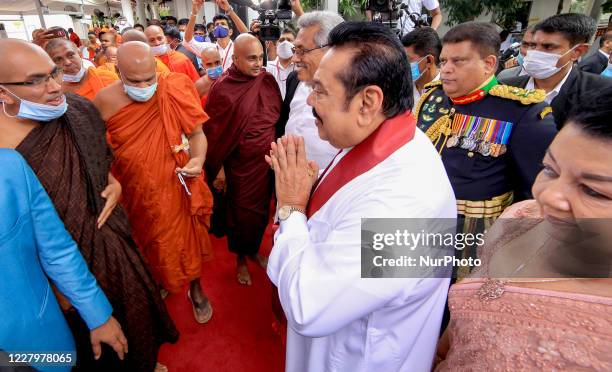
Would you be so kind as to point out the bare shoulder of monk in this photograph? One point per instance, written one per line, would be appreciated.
(111, 99)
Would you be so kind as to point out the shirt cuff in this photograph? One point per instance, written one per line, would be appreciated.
(296, 224)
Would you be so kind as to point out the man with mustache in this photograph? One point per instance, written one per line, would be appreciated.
(243, 105)
(296, 115)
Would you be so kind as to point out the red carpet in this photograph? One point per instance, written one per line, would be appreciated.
(239, 337)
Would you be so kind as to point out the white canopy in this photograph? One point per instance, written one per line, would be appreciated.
(29, 6)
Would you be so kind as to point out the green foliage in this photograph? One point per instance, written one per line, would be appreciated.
(503, 11)
(607, 7)
(347, 8)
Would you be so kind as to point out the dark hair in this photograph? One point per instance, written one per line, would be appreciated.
(139, 25)
(424, 41)
(183, 21)
(171, 18)
(173, 32)
(593, 113)
(91, 33)
(70, 30)
(101, 33)
(575, 28)
(378, 59)
(482, 35)
(209, 24)
(605, 37)
(220, 17)
(287, 30)
(200, 27)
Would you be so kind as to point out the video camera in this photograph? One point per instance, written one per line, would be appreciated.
(271, 13)
(392, 11)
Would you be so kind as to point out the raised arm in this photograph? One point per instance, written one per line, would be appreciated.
(227, 8)
(196, 5)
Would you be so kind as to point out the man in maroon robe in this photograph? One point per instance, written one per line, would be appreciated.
(243, 107)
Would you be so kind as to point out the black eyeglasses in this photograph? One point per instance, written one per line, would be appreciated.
(301, 52)
(56, 75)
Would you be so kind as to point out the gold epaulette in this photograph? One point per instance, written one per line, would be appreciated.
(434, 83)
(424, 96)
(524, 96)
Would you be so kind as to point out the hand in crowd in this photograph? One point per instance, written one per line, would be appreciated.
(111, 193)
(512, 62)
(193, 168)
(219, 182)
(294, 174)
(111, 334)
(255, 26)
(196, 5)
(42, 36)
(223, 5)
(296, 6)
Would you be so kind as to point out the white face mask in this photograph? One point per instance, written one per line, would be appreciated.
(140, 94)
(75, 78)
(542, 65)
(160, 49)
(284, 50)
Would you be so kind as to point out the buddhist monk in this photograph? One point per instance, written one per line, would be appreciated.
(243, 105)
(137, 35)
(211, 61)
(176, 62)
(111, 60)
(76, 78)
(107, 39)
(62, 137)
(155, 126)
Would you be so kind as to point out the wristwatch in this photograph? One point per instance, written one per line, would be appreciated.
(285, 211)
(231, 9)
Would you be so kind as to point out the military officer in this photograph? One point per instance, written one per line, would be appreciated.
(492, 137)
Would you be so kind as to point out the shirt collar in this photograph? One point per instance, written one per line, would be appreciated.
(605, 54)
(553, 93)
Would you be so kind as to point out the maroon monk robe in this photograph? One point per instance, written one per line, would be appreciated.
(243, 111)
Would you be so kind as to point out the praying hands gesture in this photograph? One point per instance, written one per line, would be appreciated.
(294, 175)
(112, 193)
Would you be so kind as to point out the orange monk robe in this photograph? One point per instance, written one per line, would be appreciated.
(178, 62)
(169, 226)
(96, 80)
(109, 66)
(160, 67)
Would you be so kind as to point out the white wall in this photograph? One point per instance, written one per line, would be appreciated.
(16, 28)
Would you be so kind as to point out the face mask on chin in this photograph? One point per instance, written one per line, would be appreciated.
(76, 77)
(542, 65)
(37, 111)
(160, 49)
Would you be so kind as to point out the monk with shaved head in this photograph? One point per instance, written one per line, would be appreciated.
(77, 79)
(211, 62)
(175, 61)
(243, 105)
(155, 126)
(137, 35)
(62, 137)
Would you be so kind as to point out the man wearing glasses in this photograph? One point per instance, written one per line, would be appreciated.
(62, 137)
(297, 116)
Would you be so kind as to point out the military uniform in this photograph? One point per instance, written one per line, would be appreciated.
(492, 143)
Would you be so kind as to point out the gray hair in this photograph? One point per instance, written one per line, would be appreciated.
(324, 20)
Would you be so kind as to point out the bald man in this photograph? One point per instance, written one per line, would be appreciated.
(176, 62)
(243, 105)
(155, 126)
(86, 82)
(62, 137)
(137, 35)
(107, 39)
(211, 61)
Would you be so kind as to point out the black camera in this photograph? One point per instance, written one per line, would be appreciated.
(271, 14)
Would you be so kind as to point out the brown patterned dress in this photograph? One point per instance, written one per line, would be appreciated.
(71, 159)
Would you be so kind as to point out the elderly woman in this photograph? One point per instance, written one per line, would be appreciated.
(542, 299)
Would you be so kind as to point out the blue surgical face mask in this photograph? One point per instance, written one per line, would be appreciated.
(414, 69)
(220, 32)
(200, 38)
(140, 94)
(214, 72)
(37, 111)
(519, 59)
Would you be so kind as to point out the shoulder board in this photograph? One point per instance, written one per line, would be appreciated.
(524, 96)
(434, 83)
(547, 110)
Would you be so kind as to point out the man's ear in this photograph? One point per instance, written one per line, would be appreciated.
(490, 63)
(579, 51)
(6, 97)
(371, 103)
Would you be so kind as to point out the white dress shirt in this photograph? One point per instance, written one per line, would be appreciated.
(405, 24)
(226, 53)
(302, 123)
(280, 73)
(338, 321)
(553, 93)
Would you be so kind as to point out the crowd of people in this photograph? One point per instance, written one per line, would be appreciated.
(124, 151)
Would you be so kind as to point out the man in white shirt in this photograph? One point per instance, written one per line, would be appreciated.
(405, 23)
(558, 42)
(423, 47)
(282, 66)
(296, 115)
(337, 320)
(223, 31)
